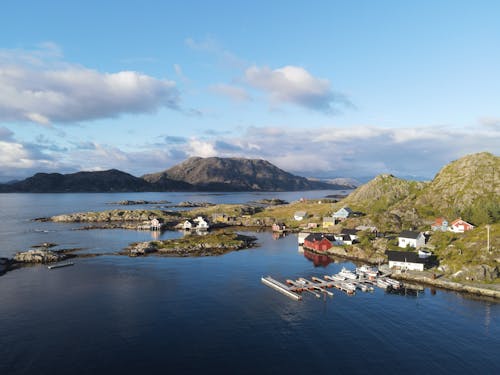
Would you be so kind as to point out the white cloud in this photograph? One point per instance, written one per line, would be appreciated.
(35, 87)
(295, 85)
(197, 147)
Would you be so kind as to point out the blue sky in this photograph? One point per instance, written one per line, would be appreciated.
(323, 88)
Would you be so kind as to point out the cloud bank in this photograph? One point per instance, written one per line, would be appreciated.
(37, 86)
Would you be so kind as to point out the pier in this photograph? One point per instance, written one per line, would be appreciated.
(319, 286)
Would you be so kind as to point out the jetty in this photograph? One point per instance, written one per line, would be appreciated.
(345, 281)
(60, 265)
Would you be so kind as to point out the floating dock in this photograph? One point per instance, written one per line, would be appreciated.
(282, 288)
(318, 286)
(60, 265)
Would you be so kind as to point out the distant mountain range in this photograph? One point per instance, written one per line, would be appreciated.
(194, 174)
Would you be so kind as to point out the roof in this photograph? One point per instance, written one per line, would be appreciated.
(346, 209)
(300, 213)
(405, 256)
(439, 221)
(409, 234)
(318, 237)
(349, 231)
(459, 220)
(328, 219)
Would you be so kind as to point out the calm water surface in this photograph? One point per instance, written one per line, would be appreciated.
(190, 315)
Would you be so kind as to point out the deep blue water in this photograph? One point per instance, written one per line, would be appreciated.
(113, 314)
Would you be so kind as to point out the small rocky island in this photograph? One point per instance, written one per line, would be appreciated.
(210, 244)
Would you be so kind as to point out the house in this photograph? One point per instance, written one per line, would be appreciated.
(312, 225)
(407, 260)
(201, 223)
(440, 224)
(187, 225)
(411, 238)
(319, 241)
(300, 215)
(343, 213)
(342, 239)
(352, 233)
(155, 224)
(460, 226)
(223, 218)
(279, 227)
(328, 221)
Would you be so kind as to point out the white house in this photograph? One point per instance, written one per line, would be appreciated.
(155, 224)
(407, 260)
(411, 238)
(343, 213)
(187, 225)
(300, 215)
(201, 223)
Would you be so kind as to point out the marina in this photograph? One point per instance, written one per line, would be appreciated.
(347, 281)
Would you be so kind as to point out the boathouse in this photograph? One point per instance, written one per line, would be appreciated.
(279, 227)
(319, 241)
(155, 224)
(408, 260)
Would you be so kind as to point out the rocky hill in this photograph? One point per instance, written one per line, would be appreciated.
(463, 186)
(468, 187)
(236, 174)
(109, 181)
(194, 174)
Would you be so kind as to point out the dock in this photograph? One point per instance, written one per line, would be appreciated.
(282, 288)
(319, 286)
(60, 265)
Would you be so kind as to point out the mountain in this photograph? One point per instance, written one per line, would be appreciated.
(236, 174)
(463, 183)
(102, 181)
(468, 187)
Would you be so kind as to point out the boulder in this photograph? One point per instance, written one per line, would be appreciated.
(38, 256)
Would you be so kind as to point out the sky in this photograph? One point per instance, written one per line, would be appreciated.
(319, 88)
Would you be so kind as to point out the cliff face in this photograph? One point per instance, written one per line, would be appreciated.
(236, 174)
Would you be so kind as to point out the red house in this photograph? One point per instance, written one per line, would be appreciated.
(318, 242)
(460, 226)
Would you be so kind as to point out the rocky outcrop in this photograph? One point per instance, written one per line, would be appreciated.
(38, 256)
(114, 216)
(194, 245)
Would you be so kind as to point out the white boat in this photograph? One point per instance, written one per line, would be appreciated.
(337, 278)
(350, 287)
(394, 283)
(348, 274)
(371, 272)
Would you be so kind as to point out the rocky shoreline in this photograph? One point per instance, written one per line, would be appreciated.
(441, 282)
(193, 245)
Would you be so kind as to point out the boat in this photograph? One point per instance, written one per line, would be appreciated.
(348, 274)
(60, 265)
(394, 283)
(365, 270)
(383, 284)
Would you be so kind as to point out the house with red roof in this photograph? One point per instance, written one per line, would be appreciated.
(440, 224)
(460, 226)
